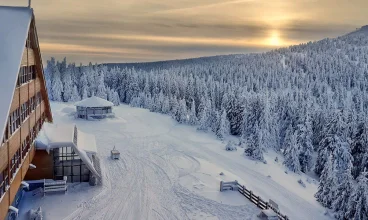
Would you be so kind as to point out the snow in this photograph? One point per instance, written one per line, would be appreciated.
(172, 171)
(14, 23)
(86, 142)
(94, 101)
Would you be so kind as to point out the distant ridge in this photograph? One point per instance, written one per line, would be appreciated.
(166, 64)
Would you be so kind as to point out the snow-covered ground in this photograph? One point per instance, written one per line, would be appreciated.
(171, 171)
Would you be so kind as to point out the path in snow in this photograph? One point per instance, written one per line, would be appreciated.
(170, 171)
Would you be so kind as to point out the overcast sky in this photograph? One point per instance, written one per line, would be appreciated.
(150, 30)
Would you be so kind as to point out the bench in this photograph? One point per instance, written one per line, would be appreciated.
(55, 185)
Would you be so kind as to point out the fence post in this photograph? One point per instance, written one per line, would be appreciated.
(221, 186)
(258, 201)
(244, 190)
(266, 205)
(250, 195)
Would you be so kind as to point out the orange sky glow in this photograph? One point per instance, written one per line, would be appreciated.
(150, 30)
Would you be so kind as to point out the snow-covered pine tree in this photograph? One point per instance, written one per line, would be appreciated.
(292, 154)
(358, 202)
(360, 148)
(68, 86)
(74, 96)
(165, 105)
(192, 114)
(254, 148)
(83, 85)
(101, 90)
(57, 86)
(324, 195)
(224, 126)
(182, 113)
(305, 143)
(204, 117)
(342, 194)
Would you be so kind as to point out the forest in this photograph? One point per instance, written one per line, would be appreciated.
(308, 102)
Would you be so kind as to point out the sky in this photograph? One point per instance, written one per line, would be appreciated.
(151, 30)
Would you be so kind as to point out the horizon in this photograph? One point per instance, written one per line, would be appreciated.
(146, 31)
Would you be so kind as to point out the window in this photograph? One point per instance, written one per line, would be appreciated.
(26, 74)
(4, 181)
(25, 147)
(24, 111)
(32, 103)
(14, 163)
(14, 121)
(38, 98)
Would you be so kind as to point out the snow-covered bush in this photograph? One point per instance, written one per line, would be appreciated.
(230, 146)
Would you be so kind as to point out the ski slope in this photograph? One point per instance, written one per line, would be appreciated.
(171, 171)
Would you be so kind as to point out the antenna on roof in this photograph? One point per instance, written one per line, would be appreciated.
(29, 3)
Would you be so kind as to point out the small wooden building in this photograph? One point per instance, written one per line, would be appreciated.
(94, 108)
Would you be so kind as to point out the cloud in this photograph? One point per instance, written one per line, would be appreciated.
(146, 30)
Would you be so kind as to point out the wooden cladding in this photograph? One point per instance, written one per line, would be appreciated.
(23, 94)
(4, 206)
(3, 156)
(26, 91)
(45, 166)
(38, 84)
(15, 103)
(14, 143)
(28, 58)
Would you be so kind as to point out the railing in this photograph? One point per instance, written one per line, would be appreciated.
(257, 200)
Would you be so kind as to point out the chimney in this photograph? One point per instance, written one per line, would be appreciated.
(29, 3)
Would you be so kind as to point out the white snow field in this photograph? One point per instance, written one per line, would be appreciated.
(171, 171)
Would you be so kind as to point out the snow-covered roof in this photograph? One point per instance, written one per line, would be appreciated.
(94, 101)
(56, 136)
(14, 25)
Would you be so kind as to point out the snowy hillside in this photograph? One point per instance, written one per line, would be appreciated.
(307, 103)
(171, 171)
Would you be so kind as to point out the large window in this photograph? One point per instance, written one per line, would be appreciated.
(14, 121)
(24, 111)
(32, 104)
(26, 74)
(38, 98)
(14, 163)
(4, 181)
(68, 163)
(25, 147)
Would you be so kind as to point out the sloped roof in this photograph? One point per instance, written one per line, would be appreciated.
(14, 26)
(94, 101)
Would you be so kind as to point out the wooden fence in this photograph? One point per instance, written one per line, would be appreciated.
(257, 200)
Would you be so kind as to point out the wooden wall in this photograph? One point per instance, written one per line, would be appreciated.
(45, 166)
(14, 186)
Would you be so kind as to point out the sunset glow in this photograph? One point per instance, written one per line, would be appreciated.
(148, 30)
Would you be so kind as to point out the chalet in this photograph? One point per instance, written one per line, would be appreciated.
(24, 102)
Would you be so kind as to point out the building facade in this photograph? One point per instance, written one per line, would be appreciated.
(25, 105)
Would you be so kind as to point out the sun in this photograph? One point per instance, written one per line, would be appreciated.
(274, 39)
